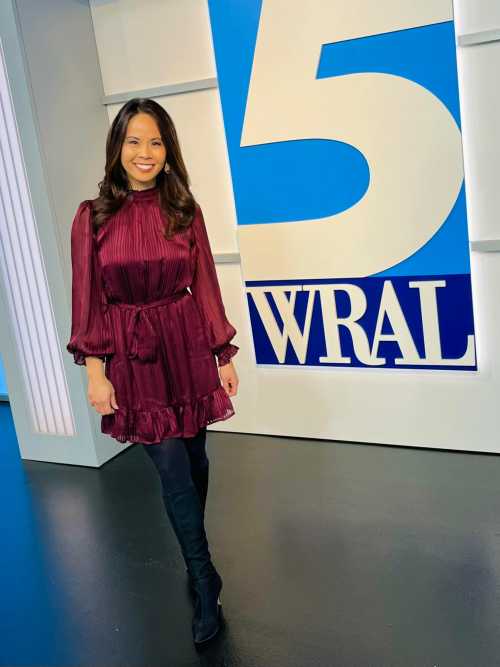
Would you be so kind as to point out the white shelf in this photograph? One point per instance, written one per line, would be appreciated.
(488, 245)
(482, 37)
(162, 91)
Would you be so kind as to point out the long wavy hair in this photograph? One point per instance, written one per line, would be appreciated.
(176, 200)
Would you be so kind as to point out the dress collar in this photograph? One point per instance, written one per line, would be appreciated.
(143, 195)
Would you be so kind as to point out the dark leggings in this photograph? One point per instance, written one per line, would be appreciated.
(178, 460)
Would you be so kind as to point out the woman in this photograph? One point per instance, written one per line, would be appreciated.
(168, 373)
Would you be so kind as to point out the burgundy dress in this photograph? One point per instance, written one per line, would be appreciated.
(161, 343)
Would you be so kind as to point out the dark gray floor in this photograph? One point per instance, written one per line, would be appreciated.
(331, 554)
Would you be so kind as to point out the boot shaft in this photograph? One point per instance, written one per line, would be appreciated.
(185, 512)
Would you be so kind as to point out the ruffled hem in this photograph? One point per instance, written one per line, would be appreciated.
(175, 421)
(80, 358)
(80, 354)
(224, 356)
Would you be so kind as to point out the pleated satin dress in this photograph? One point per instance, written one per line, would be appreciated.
(152, 310)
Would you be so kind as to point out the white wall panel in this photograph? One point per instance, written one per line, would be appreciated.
(476, 15)
(153, 43)
(480, 102)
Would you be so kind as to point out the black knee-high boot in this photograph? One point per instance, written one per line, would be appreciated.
(199, 464)
(185, 512)
(200, 476)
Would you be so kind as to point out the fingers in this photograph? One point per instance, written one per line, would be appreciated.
(114, 404)
(230, 387)
(229, 382)
(104, 409)
(102, 396)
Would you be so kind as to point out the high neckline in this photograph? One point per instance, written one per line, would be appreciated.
(141, 195)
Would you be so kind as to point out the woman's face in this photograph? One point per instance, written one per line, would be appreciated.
(143, 151)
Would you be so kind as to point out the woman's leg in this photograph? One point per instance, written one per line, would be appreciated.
(177, 463)
(184, 510)
(172, 462)
(181, 501)
(200, 464)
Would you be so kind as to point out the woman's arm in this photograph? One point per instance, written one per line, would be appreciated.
(206, 291)
(91, 339)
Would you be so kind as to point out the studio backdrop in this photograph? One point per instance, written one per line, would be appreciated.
(343, 128)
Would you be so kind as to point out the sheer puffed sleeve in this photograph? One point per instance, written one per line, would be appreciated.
(206, 292)
(90, 333)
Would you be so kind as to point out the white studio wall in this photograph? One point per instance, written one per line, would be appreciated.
(416, 406)
(51, 103)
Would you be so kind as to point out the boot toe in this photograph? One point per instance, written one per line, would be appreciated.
(203, 632)
(207, 613)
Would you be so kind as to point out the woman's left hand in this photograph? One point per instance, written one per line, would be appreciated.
(229, 378)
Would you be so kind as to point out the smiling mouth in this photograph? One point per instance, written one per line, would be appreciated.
(144, 167)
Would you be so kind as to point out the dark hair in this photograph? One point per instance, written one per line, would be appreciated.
(176, 200)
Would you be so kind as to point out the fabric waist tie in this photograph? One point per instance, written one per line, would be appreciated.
(141, 336)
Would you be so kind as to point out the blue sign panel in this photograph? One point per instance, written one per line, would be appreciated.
(343, 131)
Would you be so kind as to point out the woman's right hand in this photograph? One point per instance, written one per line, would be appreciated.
(101, 395)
